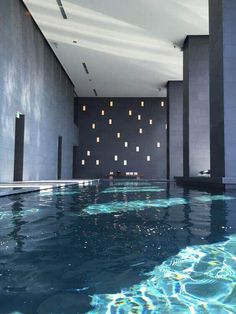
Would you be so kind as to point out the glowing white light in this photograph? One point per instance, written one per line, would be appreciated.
(158, 144)
(102, 112)
(140, 131)
(118, 135)
(142, 103)
(116, 158)
(162, 104)
(130, 112)
(88, 153)
(126, 144)
(110, 121)
(98, 139)
(137, 149)
(84, 108)
(139, 117)
(93, 126)
(125, 162)
(97, 162)
(150, 121)
(111, 103)
(148, 158)
(83, 162)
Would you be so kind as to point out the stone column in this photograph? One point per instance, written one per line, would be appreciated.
(175, 129)
(196, 132)
(222, 14)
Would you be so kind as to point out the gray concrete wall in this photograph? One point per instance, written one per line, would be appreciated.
(33, 82)
(196, 105)
(175, 129)
(128, 126)
(222, 15)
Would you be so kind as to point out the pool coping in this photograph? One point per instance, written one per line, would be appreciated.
(36, 186)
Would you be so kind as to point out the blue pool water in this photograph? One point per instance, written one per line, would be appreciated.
(127, 247)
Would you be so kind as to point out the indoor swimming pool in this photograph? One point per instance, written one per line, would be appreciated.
(118, 247)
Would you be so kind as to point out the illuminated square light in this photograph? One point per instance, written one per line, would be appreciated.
(148, 158)
(111, 173)
(125, 162)
(110, 121)
(88, 153)
(98, 140)
(142, 103)
(111, 103)
(127, 173)
(97, 162)
(137, 149)
(158, 144)
(116, 158)
(140, 131)
(131, 173)
(84, 108)
(150, 121)
(126, 144)
(130, 112)
(93, 126)
(118, 135)
(139, 117)
(135, 173)
(83, 162)
(102, 112)
(162, 104)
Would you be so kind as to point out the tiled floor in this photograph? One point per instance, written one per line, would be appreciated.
(11, 188)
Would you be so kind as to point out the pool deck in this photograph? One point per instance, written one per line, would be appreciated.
(12, 188)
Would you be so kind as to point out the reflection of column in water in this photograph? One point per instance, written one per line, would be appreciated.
(17, 221)
(218, 220)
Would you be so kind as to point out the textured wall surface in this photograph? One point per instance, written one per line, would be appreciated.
(223, 87)
(128, 127)
(196, 105)
(175, 129)
(33, 82)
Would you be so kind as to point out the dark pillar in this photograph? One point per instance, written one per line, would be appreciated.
(175, 129)
(196, 133)
(222, 14)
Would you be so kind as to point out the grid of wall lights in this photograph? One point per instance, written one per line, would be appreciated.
(118, 135)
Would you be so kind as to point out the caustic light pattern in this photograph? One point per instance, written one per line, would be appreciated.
(113, 207)
(133, 190)
(200, 279)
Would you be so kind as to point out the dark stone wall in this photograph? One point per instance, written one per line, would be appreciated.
(175, 129)
(34, 84)
(196, 105)
(128, 127)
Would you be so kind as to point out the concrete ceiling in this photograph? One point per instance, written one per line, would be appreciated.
(131, 47)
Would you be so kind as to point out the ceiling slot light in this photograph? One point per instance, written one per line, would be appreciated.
(95, 92)
(85, 68)
(62, 10)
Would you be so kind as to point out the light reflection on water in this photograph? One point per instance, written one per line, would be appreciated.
(59, 248)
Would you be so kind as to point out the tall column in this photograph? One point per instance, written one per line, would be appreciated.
(222, 14)
(175, 129)
(196, 133)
